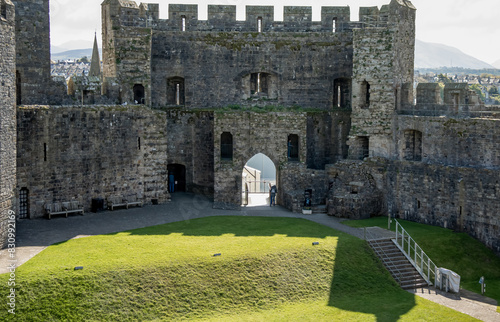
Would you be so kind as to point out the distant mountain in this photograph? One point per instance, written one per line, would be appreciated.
(73, 54)
(497, 64)
(431, 55)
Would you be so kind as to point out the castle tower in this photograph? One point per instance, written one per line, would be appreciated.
(382, 81)
(7, 115)
(32, 51)
(95, 64)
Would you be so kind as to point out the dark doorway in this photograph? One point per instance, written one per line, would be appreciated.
(139, 94)
(179, 172)
(23, 203)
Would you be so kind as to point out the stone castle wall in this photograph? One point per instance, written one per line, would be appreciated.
(458, 198)
(214, 60)
(74, 153)
(382, 76)
(32, 51)
(7, 117)
(190, 144)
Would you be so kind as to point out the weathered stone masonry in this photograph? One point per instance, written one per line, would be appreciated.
(75, 153)
(7, 115)
(203, 98)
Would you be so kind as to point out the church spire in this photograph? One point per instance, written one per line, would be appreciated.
(95, 64)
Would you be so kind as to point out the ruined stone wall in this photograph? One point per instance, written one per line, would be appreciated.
(74, 153)
(254, 133)
(191, 141)
(458, 198)
(32, 51)
(469, 142)
(326, 138)
(7, 117)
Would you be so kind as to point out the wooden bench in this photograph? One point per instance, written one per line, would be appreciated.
(115, 201)
(63, 208)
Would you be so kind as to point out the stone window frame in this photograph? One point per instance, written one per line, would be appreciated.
(293, 147)
(226, 146)
(259, 83)
(139, 89)
(413, 145)
(260, 24)
(3, 9)
(365, 94)
(183, 23)
(342, 92)
(176, 91)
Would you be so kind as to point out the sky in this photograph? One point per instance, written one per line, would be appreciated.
(471, 26)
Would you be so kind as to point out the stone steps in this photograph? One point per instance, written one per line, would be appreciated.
(397, 264)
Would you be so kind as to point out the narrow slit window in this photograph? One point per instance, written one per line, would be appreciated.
(339, 95)
(4, 10)
(365, 94)
(183, 23)
(293, 147)
(259, 24)
(226, 146)
(45, 152)
(334, 25)
(138, 143)
(175, 91)
(177, 94)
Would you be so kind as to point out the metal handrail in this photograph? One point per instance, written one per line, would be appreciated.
(417, 257)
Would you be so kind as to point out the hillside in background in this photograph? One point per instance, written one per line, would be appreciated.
(432, 55)
(72, 54)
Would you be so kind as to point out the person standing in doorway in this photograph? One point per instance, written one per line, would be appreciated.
(273, 192)
(171, 182)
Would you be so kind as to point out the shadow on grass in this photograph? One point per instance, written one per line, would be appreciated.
(361, 284)
(239, 226)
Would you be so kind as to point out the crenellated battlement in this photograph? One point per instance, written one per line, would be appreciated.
(184, 17)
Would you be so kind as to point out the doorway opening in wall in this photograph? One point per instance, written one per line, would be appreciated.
(23, 203)
(257, 179)
(176, 178)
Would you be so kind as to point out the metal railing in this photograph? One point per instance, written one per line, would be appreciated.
(417, 257)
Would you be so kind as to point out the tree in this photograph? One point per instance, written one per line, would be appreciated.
(493, 90)
(84, 59)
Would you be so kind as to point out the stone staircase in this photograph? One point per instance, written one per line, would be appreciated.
(397, 264)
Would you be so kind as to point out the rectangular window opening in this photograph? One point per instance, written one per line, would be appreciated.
(138, 143)
(183, 23)
(334, 25)
(259, 24)
(178, 94)
(45, 152)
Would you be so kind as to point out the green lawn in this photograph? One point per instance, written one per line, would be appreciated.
(268, 270)
(456, 251)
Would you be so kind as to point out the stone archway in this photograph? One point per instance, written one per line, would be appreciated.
(258, 175)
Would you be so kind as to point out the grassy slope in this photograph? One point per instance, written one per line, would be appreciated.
(456, 251)
(268, 270)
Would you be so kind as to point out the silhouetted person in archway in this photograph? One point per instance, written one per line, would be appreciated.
(273, 192)
(171, 182)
